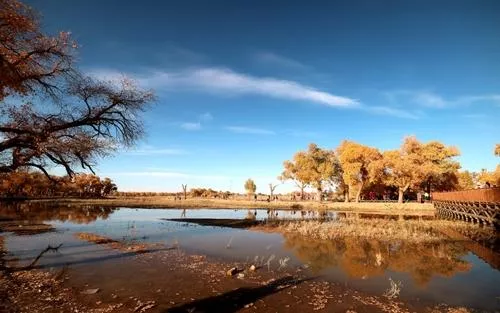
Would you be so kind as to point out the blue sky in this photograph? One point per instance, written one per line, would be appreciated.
(243, 85)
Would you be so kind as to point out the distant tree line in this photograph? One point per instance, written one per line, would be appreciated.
(355, 170)
(36, 185)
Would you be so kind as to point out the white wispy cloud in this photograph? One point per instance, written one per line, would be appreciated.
(384, 110)
(302, 133)
(191, 126)
(250, 130)
(227, 82)
(206, 117)
(429, 100)
(275, 59)
(166, 174)
(433, 100)
(107, 74)
(147, 151)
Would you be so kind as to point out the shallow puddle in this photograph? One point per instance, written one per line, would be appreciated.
(445, 272)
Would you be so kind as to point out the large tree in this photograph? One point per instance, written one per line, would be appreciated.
(401, 169)
(418, 164)
(315, 167)
(52, 115)
(357, 161)
(439, 164)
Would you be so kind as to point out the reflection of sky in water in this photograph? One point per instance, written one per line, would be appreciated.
(468, 280)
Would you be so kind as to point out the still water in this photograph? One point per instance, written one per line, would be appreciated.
(446, 272)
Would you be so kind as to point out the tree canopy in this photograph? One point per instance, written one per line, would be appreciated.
(314, 167)
(416, 164)
(356, 161)
(51, 114)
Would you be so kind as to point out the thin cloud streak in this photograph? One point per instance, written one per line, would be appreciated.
(436, 101)
(227, 82)
(191, 126)
(155, 151)
(167, 175)
(249, 130)
(230, 83)
(206, 117)
(383, 110)
(275, 59)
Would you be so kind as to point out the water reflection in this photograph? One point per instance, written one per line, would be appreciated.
(439, 272)
(36, 212)
(368, 258)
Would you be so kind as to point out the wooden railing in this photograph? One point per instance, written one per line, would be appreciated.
(472, 195)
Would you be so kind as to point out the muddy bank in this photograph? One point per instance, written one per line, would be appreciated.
(183, 283)
(219, 222)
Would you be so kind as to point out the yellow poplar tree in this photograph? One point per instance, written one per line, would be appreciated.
(314, 167)
(356, 162)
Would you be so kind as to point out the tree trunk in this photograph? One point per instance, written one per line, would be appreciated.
(320, 194)
(358, 194)
(401, 192)
(184, 189)
(346, 195)
(400, 195)
(302, 193)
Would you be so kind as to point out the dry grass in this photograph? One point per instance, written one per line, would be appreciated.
(167, 202)
(381, 229)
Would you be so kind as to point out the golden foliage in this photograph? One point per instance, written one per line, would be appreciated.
(314, 167)
(465, 180)
(356, 161)
(36, 184)
(364, 258)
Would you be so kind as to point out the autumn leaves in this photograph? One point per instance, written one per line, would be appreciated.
(353, 168)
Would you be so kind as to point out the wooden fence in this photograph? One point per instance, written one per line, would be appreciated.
(476, 206)
(472, 195)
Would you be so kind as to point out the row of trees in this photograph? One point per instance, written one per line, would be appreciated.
(36, 184)
(353, 168)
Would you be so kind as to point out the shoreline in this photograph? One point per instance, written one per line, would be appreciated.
(39, 290)
(385, 208)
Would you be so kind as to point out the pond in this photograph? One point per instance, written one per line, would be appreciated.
(444, 272)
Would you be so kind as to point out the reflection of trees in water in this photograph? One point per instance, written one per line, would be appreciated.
(367, 258)
(39, 212)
